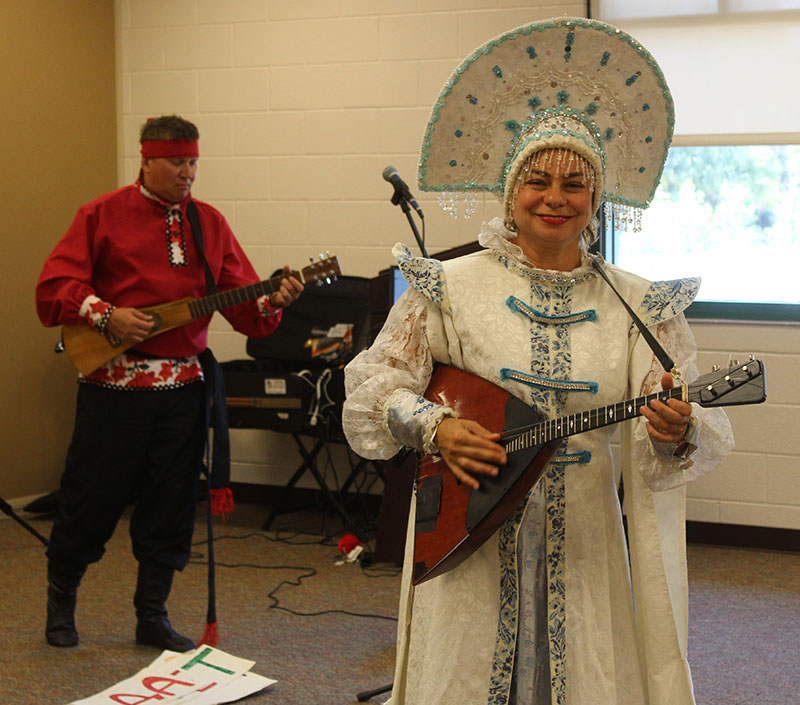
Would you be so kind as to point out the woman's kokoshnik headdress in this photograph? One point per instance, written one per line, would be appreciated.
(566, 83)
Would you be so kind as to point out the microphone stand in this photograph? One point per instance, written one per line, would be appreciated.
(6, 507)
(369, 694)
(399, 200)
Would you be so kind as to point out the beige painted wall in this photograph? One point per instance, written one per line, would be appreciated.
(58, 127)
(302, 104)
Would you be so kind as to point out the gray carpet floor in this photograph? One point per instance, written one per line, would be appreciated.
(744, 617)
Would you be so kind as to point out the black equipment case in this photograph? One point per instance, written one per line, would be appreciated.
(301, 364)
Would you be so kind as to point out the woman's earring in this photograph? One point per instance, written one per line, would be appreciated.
(510, 225)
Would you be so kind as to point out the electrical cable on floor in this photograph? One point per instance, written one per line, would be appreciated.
(307, 572)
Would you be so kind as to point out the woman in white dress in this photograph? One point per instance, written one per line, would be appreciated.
(556, 606)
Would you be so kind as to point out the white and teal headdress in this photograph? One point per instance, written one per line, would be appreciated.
(567, 83)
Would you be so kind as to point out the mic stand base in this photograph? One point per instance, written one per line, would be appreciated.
(369, 694)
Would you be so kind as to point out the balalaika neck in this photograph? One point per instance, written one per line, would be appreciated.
(555, 429)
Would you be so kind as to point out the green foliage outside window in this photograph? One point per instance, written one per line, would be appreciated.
(730, 214)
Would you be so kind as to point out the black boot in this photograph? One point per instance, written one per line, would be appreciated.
(153, 627)
(62, 593)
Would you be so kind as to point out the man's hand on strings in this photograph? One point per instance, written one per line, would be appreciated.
(290, 290)
(469, 449)
(667, 422)
(129, 325)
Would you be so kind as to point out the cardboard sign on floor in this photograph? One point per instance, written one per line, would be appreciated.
(205, 676)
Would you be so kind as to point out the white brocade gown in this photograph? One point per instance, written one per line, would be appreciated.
(544, 610)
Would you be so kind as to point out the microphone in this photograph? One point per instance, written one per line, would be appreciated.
(401, 189)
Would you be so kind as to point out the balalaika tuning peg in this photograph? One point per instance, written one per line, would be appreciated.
(715, 368)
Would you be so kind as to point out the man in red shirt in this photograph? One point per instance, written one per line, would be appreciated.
(141, 420)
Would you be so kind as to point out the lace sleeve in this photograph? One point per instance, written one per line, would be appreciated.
(660, 467)
(384, 410)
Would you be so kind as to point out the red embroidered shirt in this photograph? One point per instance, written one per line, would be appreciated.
(127, 248)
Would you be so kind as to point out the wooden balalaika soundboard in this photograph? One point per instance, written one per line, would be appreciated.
(453, 521)
(89, 349)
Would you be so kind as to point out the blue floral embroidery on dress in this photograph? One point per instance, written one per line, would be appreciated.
(556, 589)
(666, 299)
(424, 405)
(424, 275)
(550, 358)
(503, 661)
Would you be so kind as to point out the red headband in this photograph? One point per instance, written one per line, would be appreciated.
(170, 148)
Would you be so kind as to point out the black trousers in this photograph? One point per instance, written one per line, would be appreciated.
(145, 446)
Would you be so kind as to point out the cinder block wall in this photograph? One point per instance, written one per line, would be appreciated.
(302, 104)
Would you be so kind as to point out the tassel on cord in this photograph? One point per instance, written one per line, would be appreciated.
(221, 502)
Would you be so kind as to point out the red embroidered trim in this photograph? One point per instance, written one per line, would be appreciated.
(129, 372)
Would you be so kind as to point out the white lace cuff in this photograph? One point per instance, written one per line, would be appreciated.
(412, 420)
(682, 449)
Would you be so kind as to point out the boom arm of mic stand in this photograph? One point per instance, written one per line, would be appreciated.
(398, 200)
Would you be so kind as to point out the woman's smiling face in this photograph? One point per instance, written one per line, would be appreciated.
(553, 205)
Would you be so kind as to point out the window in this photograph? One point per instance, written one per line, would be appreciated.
(730, 214)
(727, 212)
(613, 10)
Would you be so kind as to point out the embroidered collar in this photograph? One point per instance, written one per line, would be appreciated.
(496, 237)
(176, 244)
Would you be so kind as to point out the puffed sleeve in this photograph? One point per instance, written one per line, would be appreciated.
(661, 467)
(384, 410)
(64, 294)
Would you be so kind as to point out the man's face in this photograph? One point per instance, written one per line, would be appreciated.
(169, 178)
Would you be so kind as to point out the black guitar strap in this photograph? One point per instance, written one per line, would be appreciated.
(655, 346)
(216, 407)
(197, 231)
